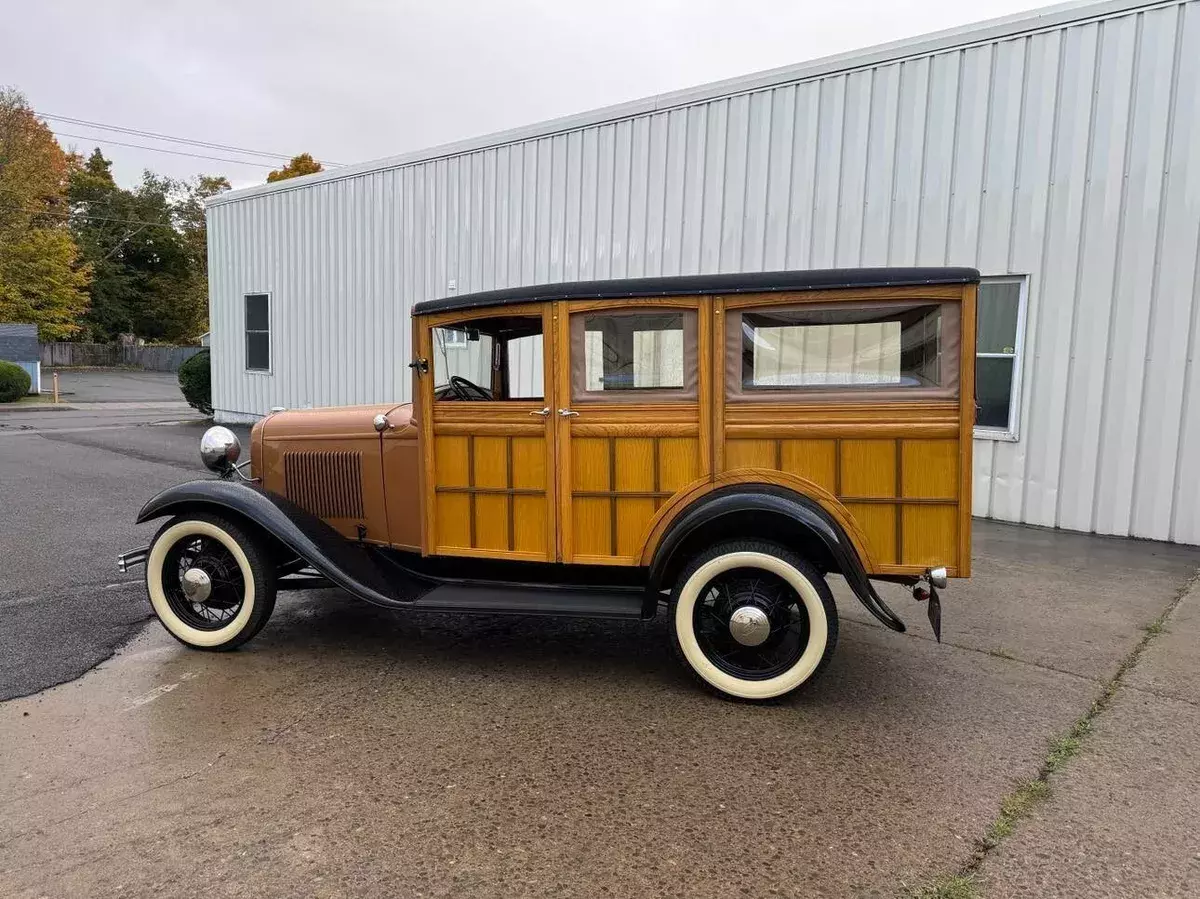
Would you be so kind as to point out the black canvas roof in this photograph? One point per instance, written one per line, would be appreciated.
(752, 282)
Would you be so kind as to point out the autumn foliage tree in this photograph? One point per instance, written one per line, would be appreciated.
(42, 278)
(303, 164)
(83, 257)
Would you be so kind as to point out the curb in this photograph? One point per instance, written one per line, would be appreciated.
(37, 407)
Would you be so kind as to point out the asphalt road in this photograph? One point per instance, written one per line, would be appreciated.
(70, 485)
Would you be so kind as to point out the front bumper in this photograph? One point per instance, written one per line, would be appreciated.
(132, 559)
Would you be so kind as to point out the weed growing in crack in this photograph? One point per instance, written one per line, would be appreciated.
(1013, 807)
(954, 886)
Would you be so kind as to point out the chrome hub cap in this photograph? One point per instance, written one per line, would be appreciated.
(197, 585)
(749, 625)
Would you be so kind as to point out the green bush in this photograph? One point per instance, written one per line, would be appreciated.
(14, 382)
(195, 380)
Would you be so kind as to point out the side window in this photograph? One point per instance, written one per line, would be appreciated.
(258, 332)
(844, 349)
(999, 336)
(645, 356)
(497, 358)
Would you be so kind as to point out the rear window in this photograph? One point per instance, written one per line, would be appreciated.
(850, 348)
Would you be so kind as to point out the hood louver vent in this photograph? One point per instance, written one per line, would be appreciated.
(327, 484)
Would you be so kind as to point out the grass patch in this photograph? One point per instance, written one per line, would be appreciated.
(1013, 807)
(955, 886)
(33, 399)
(1065, 748)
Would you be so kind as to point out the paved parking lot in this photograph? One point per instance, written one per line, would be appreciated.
(352, 751)
(115, 385)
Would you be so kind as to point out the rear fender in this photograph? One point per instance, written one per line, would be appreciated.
(345, 564)
(806, 514)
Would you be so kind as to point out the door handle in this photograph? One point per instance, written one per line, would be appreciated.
(543, 413)
(566, 413)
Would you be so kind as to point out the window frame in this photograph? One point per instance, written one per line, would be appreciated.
(462, 323)
(246, 332)
(1012, 432)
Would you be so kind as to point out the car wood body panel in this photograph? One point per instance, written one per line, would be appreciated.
(883, 481)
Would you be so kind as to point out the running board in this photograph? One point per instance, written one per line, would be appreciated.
(509, 601)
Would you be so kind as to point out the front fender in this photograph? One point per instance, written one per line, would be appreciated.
(773, 500)
(345, 564)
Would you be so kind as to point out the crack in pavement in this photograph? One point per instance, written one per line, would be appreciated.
(987, 652)
(117, 800)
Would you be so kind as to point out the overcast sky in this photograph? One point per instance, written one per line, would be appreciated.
(351, 80)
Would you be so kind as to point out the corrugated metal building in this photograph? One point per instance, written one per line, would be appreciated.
(1057, 151)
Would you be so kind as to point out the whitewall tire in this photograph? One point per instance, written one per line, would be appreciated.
(753, 620)
(212, 585)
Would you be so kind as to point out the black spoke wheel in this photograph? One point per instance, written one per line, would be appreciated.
(780, 605)
(211, 581)
(224, 587)
(753, 620)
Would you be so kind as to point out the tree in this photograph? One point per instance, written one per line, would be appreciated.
(42, 280)
(303, 164)
(148, 249)
(189, 216)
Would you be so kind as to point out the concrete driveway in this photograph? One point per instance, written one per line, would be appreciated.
(349, 751)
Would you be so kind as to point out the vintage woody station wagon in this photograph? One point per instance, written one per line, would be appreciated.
(715, 445)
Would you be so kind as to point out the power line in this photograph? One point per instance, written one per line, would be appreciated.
(167, 137)
(105, 140)
(88, 216)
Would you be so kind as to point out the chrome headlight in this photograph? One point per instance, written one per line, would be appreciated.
(219, 449)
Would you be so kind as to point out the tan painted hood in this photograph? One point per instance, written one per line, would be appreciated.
(334, 422)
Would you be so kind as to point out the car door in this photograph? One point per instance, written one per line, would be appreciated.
(633, 419)
(489, 489)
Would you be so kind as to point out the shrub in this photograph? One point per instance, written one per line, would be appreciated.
(195, 380)
(14, 382)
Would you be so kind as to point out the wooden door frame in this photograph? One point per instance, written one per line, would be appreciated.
(425, 407)
(633, 409)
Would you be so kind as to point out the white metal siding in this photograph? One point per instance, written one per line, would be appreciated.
(1068, 152)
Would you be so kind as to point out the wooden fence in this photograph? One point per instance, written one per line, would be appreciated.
(109, 355)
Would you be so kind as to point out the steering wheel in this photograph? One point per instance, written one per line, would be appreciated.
(468, 390)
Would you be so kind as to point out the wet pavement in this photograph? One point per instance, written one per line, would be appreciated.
(349, 751)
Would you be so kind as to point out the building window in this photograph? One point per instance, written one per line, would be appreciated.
(451, 339)
(258, 332)
(998, 343)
